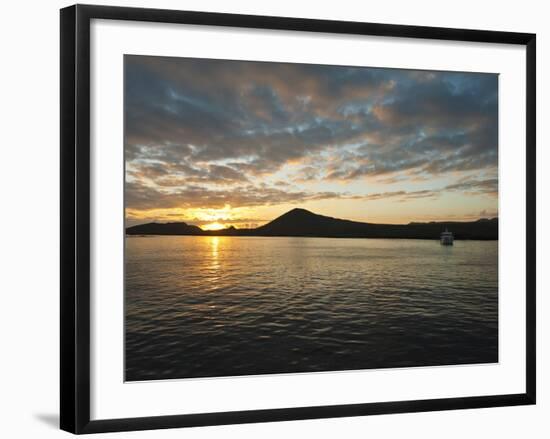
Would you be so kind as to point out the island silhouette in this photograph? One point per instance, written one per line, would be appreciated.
(303, 223)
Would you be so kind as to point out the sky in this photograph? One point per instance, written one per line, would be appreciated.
(220, 143)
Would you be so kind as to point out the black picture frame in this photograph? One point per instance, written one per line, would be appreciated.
(75, 217)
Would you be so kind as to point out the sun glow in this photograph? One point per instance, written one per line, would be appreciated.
(213, 226)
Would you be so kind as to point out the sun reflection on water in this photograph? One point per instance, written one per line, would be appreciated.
(214, 252)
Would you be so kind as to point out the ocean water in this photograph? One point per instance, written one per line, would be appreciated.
(198, 306)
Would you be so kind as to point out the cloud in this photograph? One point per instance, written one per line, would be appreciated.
(181, 174)
(224, 109)
(485, 187)
(206, 132)
(142, 197)
(402, 195)
(488, 187)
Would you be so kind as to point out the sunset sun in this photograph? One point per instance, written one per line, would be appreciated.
(213, 226)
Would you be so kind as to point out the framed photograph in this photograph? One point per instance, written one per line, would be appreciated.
(267, 219)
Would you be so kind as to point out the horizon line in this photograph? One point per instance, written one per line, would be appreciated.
(230, 227)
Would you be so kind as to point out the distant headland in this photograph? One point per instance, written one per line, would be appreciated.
(303, 223)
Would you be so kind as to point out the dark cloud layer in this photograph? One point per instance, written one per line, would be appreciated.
(205, 132)
(141, 197)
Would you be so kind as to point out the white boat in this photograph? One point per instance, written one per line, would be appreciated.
(446, 238)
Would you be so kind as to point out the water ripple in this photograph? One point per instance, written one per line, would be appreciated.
(226, 306)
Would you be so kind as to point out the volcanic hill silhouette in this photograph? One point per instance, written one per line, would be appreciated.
(302, 222)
